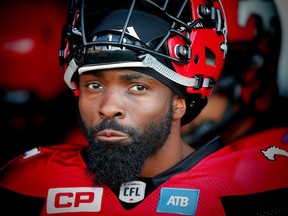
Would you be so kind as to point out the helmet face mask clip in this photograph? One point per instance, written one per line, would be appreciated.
(181, 43)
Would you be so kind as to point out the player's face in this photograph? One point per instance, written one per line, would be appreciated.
(126, 116)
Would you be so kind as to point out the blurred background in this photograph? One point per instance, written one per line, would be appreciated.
(37, 108)
(252, 93)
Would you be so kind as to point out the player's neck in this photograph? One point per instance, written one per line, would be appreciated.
(171, 153)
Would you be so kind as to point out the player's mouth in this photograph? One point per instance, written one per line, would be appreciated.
(110, 135)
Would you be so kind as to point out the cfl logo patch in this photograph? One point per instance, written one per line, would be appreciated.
(76, 199)
(132, 192)
(178, 201)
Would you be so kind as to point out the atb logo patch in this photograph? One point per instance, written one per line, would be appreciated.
(178, 201)
(76, 199)
(132, 192)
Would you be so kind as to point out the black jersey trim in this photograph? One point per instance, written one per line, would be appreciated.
(189, 162)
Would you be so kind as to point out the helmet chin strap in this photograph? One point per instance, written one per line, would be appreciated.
(72, 67)
(194, 82)
(148, 61)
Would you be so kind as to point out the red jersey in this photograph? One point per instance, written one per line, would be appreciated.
(247, 177)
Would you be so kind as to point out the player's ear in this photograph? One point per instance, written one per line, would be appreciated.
(179, 106)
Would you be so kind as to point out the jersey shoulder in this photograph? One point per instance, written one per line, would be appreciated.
(256, 162)
(32, 172)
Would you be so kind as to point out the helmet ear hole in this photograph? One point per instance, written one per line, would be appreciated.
(210, 57)
(194, 105)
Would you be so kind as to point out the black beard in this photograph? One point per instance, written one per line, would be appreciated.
(114, 163)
